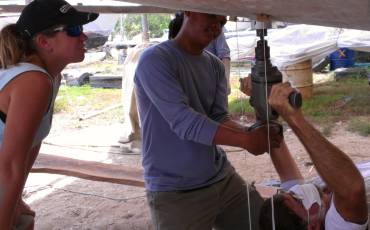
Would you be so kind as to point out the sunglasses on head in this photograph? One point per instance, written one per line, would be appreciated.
(72, 31)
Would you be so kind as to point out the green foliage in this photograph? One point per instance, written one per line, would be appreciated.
(319, 106)
(132, 25)
(78, 99)
(240, 106)
(340, 100)
(61, 104)
(157, 23)
(360, 126)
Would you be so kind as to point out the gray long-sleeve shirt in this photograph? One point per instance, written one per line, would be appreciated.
(182, 99)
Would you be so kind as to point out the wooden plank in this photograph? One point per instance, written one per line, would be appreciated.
(99, 9)
(97, 171)
(89, 170)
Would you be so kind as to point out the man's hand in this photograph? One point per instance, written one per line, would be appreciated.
(279, 100)
(246, 85)
(258, 142)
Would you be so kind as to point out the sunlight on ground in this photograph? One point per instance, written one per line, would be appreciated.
(46, 185)
(90, 144)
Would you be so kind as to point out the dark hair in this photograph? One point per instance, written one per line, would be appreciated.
(284, 217)
(175, 25)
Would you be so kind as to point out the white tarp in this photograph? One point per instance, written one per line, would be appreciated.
(355, 39)
(6, 19)
(297, 43)
(104, 25)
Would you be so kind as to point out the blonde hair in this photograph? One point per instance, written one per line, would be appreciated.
(13, 47)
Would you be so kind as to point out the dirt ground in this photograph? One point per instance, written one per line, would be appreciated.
(64, 202)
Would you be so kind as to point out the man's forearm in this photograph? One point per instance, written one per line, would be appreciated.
(330, 162)
(282, 159)
(284, 163)
(234, 125)
(232, 134)
(255, 141)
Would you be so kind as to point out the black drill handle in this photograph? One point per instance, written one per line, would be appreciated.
(295, 99)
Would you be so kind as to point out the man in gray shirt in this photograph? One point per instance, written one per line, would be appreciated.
(182, 99)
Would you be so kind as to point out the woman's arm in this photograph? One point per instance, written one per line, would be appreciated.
(29, 100)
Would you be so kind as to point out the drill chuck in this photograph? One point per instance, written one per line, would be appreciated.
(264, 76)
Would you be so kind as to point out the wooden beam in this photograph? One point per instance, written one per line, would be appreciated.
(97, 171)
(89, 170)
(99, 9)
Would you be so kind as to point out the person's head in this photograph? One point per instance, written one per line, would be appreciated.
(290, 212)
(201, 28)
(175, 25)
(49, 28)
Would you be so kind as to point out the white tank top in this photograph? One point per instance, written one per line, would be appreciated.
(6, 75)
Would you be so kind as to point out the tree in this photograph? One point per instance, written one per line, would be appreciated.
(157, 23)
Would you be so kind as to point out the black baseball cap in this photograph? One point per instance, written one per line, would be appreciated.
(40, 15)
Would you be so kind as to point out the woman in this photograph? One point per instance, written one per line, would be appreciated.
(47, 36)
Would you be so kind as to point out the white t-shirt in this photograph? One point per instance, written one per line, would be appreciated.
(334, 221)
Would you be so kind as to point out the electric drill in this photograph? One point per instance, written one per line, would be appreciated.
(265, 75)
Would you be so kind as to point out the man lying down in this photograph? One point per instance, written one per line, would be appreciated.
(339, 205)
(284, 212)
